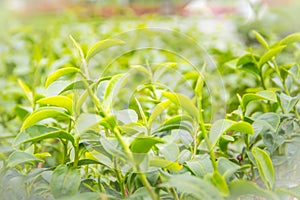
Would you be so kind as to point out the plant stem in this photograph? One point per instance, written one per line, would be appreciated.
(76, 151)
(120, 178)
(175, 195)
(205, 135)
(148, 186)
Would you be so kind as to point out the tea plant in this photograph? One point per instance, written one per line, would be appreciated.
(131, 136)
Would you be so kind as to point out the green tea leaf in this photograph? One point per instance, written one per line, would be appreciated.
(20, 157)
(65, 181)
(144, 144)
(292, 38)
(200, 166)
(265, 167)
(241, 188)
(27, 91)
(261, 95)
(194, 186)
(59, 73)
(183, 102)
(241, 127)
(267, 120)
(21, 112)
(227, 168)
(39, 132)
(111, 91)
(221, 126)
(166, 164)
(219, 182)
(77, 46)
(287, 102)
(41, 114)
(59, 101)
(269, 55)
(78, 85)
(261, 40)
(158, 109)
(101, 45)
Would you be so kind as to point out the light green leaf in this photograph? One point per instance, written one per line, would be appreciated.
(295, 37)
(141, 111)
(241, 188)
(144, 144)
(141, 69)
(261, 95)
(101, 45)
(77, 46)
(65, 181)
(39, 132)
(241, 127)
(158, 109)
(183, 102)
(222, 126)
(198, 188)
(20, 157)
(219, 182)
(166, 164)
(261, 40)
(269, 55)
(265, 167)
(59, 73)
(42, 113)
(111, 91)
(27, 91)
(59, 101)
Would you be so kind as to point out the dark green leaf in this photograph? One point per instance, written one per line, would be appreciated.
(65, 181)
(144, 144)
(39, 132)
(78, 85)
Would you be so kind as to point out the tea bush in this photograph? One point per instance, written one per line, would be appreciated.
(147, 114)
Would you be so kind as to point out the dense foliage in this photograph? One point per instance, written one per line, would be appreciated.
(126, 110)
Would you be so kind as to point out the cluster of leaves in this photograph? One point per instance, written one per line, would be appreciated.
(119, 137)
